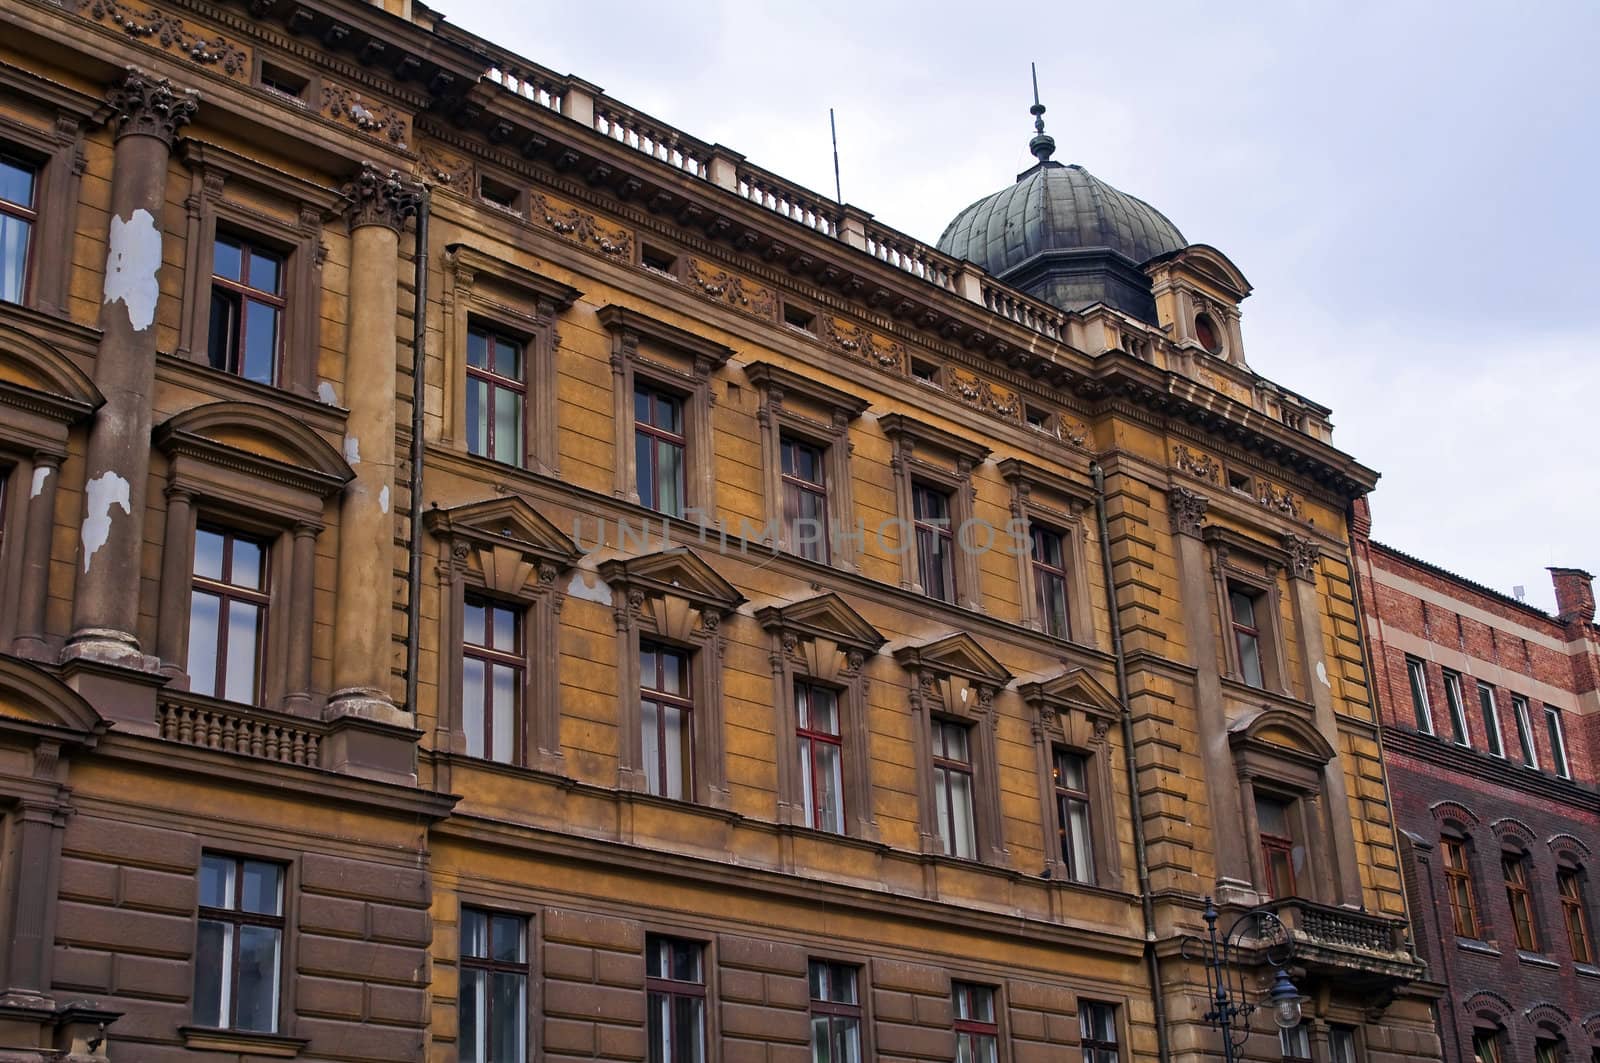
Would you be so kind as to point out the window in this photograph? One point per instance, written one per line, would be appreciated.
(283, 82)
(1519, 710)
(1036, 418)
(498, 193)
(1244, 607)
(676, 986)
(952, 788)
(821, 756)
(18, 189)
(835, 1013)
(657, 260)
(1097, 1032)
(1558, 741)
(1486, 1046)
(1050, 579)
(1295, 1043)
(666, 714)
(1574, 913)
(1458, 885)
(798, 317)
(805, 498)
(977, 1029)
(240, 945)
(1514, 866)
(247, 307)
(1239, 483)
(1070, 773)
(1342, 1044)
(1458, 714)
(493, 1013)
(936, 569)
(492, 680)
(1546, 1051)
(927, 372)
(227, 616)
(497, 393)
(1418, 674)
(1205, 333)
(1277, 845)
(1491, 720)
(659, 445)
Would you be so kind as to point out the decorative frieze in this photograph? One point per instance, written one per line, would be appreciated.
(149, 106)
(581, 228)
(170, 33)
(442, 168)
(862, 343)
(1200, 466)
(377, 198)
(721, 286)
(1277, 499)
(378, 119)
(984, 395)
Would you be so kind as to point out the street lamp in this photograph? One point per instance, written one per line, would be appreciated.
(1225, 986)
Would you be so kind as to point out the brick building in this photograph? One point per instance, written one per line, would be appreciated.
(1491, 714)
(418, 641)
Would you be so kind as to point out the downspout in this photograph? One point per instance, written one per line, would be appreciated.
(419, 367)
(1158, 1000)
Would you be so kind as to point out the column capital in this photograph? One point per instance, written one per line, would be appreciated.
(378, 198)
(1187, 509)
(149, 106)
(1303, 556)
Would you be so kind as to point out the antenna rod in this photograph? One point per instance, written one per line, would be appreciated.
(838, 195)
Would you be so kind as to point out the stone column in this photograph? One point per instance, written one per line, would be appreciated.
(177, 572)
(39, 825)
(379, 206)
(302, 598)
(29, 638)
(148, 112)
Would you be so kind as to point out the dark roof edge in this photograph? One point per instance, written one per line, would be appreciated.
(1437, 570)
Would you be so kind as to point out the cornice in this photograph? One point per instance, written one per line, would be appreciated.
(622, 319)
(560, 296)
(787, 381)
(1481, 767)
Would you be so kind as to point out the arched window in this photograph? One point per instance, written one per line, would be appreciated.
(1456, 857)
(1572, 886)
(1516, 868)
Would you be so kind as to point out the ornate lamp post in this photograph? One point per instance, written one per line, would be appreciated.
(1225, 979)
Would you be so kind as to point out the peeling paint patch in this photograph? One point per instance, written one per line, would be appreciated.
(383, 498)
(581, 587)
(352, 450)
(1322, 674)
(40, 475)
(132, 259)
(102, 493)
(325, 393)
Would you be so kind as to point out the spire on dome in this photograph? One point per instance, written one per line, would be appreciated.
(1042, 145)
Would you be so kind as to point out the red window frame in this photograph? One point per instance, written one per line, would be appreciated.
(795, 486)
(683, 702)
(1514, 868)
(244, 292)
(493, 656)
(839, 1002)
(658, 436)
(28, 214)
(1048, 576)
(1277, 853)
(804, 692)
(496, 380)
(239, 917)
(963, 997)
(1243, 631)
(935, 539)
(227, 593)
(1456, 859)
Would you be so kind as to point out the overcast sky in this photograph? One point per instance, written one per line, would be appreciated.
(1411, 189)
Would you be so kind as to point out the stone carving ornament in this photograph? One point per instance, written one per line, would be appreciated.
(170, 32)
(346, 105)
(582, 228)
(377, 198)
(149, 106)
(1188, 510)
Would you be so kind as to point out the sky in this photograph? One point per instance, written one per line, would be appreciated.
(1410, 187)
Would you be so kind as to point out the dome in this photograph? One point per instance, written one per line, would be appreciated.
(1057, 208)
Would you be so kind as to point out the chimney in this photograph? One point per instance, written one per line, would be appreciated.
(1574, 594)
(1360, 518)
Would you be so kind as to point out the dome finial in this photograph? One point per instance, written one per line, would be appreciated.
(1042, 145)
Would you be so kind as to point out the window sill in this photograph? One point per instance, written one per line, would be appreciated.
(1474, 945)
(1533, 959)
(1587, 970)
(245, 1042)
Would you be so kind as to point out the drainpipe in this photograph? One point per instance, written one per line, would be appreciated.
(1130, 764)
(419, 366)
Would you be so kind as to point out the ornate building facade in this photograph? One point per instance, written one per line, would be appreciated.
(1492, 737)
(491, 576)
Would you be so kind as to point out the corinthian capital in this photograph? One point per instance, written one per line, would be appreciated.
(149, 106)
(377, 198)
(1187, 508)
(1303, 556)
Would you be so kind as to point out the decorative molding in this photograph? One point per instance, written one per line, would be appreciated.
(1304, 554)
(860, 342)
(582, 229)
(445, 169)
(147, 105)
(345, 105)
(984, 395)
(1201, 466)
(1187, 509)
(377, 198)
(170, 33)
(724, 287)
(1277, 499)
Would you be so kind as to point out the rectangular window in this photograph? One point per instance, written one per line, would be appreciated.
(805, 499)
(493, 1013)
(247, 306)
(1296, 1044)
(1574, 913)
(492, 669)
(1546, 1052)
(977, 1028)
(497, 394)
(1458, 885)
(1458, 713)
(1097, 1032)
(1514, 866)
(936, 560)
(283, 82)
(1519, 711)
(1244, 607)
(676, 986)
(1491, 720)
(227, 616)
(952, 788)
(1418, 673)
(1050, 579)
(1342, 1044)
(821, 756)
(18, 216)
(1485, 1047)
(798, 317)
(1070, 772)
(659, 449)
(666, 713)
(240, 946)
(1273, 818)
(835, 1013)
(1558, 741)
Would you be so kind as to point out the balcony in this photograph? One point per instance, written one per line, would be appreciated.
(1342, 943)
(241, 729)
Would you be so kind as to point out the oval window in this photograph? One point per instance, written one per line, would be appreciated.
(1205, 331)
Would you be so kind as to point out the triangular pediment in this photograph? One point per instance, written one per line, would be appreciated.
(251, 433)
(1074, 688)
(827, 615)
(506, 521)
(681, 573)
(33, 700)
(959, 654)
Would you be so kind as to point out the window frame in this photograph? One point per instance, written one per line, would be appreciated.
(1455, 707)
(1074, 713)
(1301, 1033)
(685, 705)
(1516, 872)
(516, 659)
(1489, 708)
(929, 530)
(942, 461)
(1095, 1050)
(1242, 632)
(1575, 911)
(1277, 845)
(1065, 795)
(1527, 744)
(660, 438)
(796, 487)
(1421, 702)
(1458, 884)
(244, 292)
(1045, 573)
(1260, 576)
(836, 1010)
(1561, 764)
(522, 968)
(944, 799)
(1350, 1037)
(1061, 504)
(494, 336)
(45, 127)
(1494, 1040)
(282, 1012)
(28, 215)
(807, 739)
(674, 989)
(975, 1028)
(227, 593)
